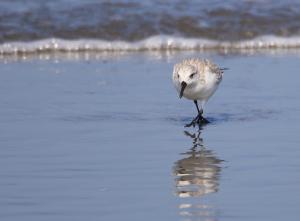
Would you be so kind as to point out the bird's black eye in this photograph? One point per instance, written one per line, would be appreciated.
(178, 75)
(192, 75)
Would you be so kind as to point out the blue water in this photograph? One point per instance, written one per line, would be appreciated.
(37, 27)
(103, 139)
(132, 20)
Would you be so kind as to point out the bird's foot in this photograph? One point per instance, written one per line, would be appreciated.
(199, 120)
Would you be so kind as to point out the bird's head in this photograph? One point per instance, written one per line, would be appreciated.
(187, 76)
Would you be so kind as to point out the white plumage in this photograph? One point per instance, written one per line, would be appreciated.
(197, 80)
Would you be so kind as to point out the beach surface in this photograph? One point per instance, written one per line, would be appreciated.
(101, 137)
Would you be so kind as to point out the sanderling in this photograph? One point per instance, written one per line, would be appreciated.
(197, 80)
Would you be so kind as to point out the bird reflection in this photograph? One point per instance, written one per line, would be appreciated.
(197, 175)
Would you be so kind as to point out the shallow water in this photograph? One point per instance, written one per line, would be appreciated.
(103, 139)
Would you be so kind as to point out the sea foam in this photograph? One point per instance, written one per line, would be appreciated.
(156, 43)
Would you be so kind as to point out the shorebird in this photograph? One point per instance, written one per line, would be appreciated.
(197, 80)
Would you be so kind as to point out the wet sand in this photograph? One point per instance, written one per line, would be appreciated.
(103, 138)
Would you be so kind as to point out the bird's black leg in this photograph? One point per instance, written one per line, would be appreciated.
(200, 120)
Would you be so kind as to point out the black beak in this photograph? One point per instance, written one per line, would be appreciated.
(183, 85)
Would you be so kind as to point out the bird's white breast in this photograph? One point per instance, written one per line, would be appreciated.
(203, 90)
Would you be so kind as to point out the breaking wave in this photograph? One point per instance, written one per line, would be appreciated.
(155, 43)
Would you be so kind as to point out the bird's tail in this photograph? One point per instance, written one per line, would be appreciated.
(223, 69)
